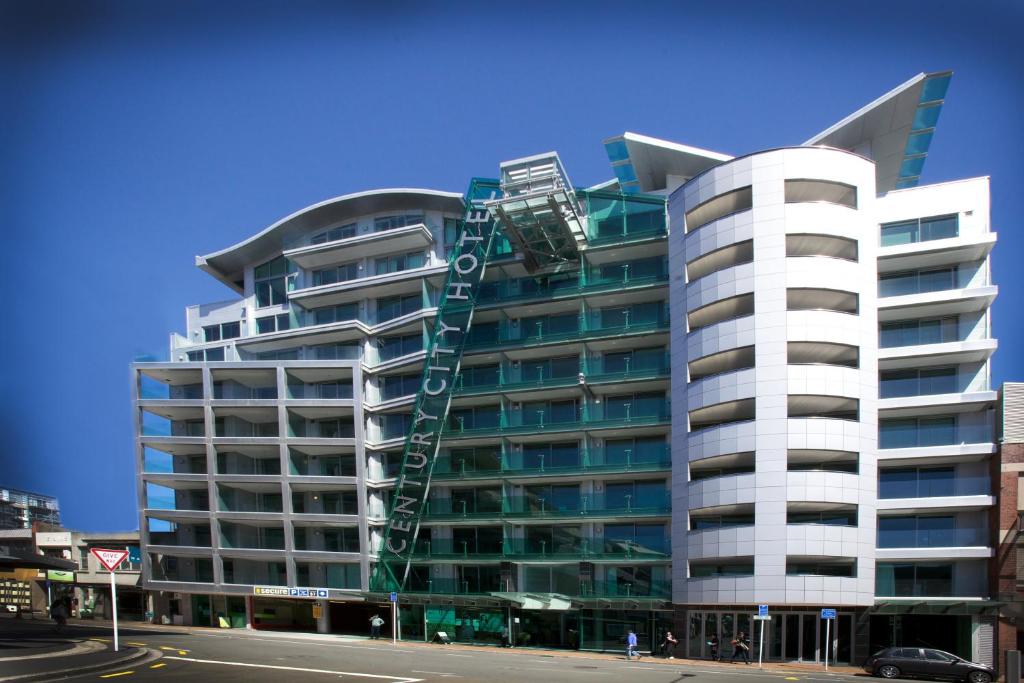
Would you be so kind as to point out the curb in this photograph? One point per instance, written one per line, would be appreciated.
(136, 656)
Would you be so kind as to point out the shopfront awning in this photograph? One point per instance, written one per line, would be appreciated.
(9, 562)
(936, 606)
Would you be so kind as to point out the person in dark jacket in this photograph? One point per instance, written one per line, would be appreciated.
(741, 647)
(668, 646)
(713, 644)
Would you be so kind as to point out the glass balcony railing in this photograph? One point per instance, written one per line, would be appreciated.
(655, 588)
(593, 370)
(526, 420)
(513, 290)
(900, 484)
(903, 384)
(614, 217)
(927, 432)
(331, 390)
(521, 548)
(642, 459)
(922, 282)
(505, 335)
(519, 507)
(891, 537)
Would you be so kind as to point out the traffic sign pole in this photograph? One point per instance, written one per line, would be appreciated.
(760, 649)
(111, 559)
(828, 624)
(113, 602)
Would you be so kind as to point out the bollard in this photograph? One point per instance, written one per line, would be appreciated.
(1012, 668)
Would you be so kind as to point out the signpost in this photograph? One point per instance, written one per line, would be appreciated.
(394, 617)
(111, 559)
(828, 614)
(762, 616)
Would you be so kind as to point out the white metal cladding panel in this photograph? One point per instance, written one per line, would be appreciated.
(984, 640)
(1013, 412)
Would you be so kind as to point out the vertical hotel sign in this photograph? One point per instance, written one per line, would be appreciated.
(444, 356)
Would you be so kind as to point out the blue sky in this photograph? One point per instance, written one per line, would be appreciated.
(137, 135)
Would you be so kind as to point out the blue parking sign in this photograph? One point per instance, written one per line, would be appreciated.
(828, 613)
(394, 597)
(762, 610)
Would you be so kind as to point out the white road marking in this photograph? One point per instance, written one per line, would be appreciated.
(396, 679)
(452, 654)
(314, 642)
(436, 673)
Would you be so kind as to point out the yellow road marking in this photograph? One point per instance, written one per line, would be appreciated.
(792, 678)
(101, 640)
(164, 647)
(182, 652)
(119, 673)
(157, 665)
(137, 644)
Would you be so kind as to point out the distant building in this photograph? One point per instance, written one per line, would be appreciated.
(1008, 567)
(19, 509)
(89, 585)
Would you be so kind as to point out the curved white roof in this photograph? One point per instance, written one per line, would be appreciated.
(228, 265)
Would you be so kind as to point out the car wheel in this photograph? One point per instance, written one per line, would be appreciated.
(888, 671)
(979, 677)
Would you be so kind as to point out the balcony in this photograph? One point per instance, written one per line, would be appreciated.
(532, 549)
(614, 218)
(583, 328)
(536, 507)
(505, 292)
(408, 238)
(589, 461)
(555, 420)
(404, 282)
(604, 370)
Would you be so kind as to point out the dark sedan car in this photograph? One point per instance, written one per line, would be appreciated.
(918, 662)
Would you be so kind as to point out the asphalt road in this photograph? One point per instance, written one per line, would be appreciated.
(254, 657)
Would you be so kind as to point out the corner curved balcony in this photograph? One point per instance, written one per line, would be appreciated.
(935, 304)
(729, 489)
(405, 239)
(725, 284)
(717, 414)
(727, 542)
(719, 259)
(825, 487)
(825, 433)
(945, 353)
(724, 388)
(734, 230)
(724, 439)
(931, 253)
(349, 291)
(721, 336)
(937, 404)
(830, 382)
(822, 540)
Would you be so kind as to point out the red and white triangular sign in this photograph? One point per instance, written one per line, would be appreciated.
(109, 558)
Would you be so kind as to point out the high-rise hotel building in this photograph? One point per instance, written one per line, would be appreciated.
(708, 384)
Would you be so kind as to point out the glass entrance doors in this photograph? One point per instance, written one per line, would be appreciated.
(790, 636)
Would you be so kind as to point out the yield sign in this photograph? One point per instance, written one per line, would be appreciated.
(109, 558)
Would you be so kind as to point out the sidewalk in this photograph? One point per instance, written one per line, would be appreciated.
(385, 643)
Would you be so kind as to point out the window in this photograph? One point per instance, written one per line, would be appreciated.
(214, 354)
(703, 522)
(914, 580)
(723, 205)
(917, 382)
(915, 332)
(800, 191)
(395, 386)
(811, 299)
(915, 482)
(282, 354)
(273, 323)
(392, 222)
(920, 532)
(826, 517)
(212, 333)
(335, 314)
(720, 311)
(336, 351)
(702, 570)
(916, 432)
(339, 233)
(395, 347)
(797, 568)
(920, 230)
(389, 308)
(400, 262)
(918, 281)
(719, 259)
(342, 273)
(274, 279)
(821, 245)
(551, 368)
(635, 538)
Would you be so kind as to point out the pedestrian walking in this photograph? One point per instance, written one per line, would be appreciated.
(506, 640)
(375, 623)
(713, 644)
(668, 646)
(59, 613)
(631, 645)
(741, 647)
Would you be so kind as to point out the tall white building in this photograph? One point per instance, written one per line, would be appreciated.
(709, 384)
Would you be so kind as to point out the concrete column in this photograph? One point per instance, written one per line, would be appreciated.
(249, 616)
(323, 622)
